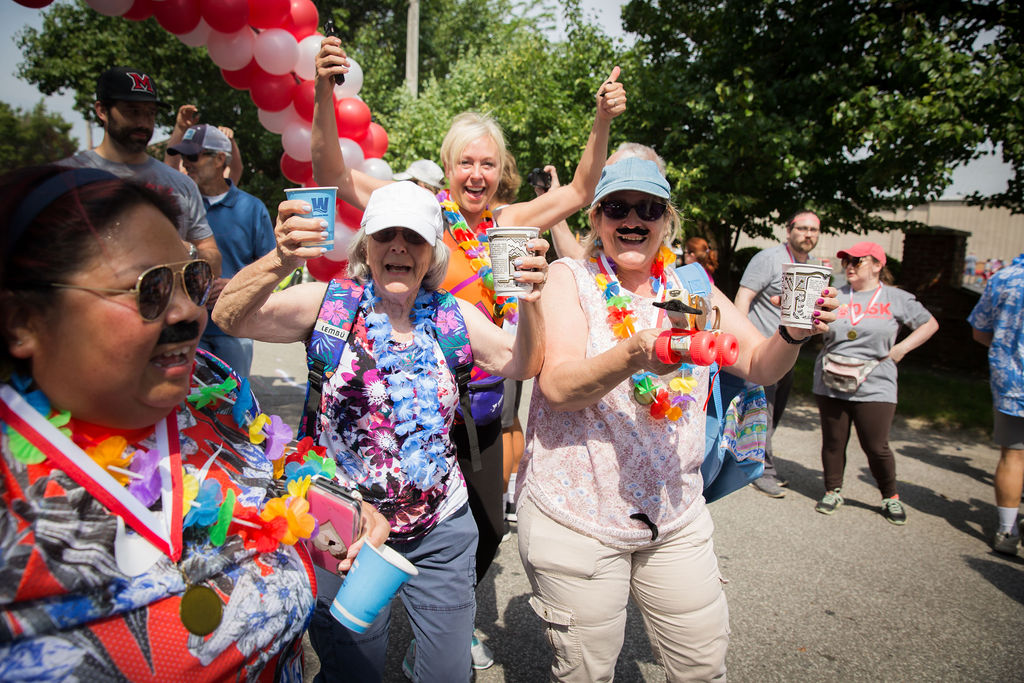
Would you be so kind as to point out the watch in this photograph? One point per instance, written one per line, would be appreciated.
(193, 251)
(786, 337)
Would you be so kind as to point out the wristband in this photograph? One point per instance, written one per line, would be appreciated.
(784, 333)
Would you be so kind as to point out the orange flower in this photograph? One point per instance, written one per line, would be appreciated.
(111, 451)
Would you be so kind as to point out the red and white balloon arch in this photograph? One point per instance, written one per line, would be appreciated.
(268, 48)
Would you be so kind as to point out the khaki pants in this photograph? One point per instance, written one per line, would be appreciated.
(580, 589)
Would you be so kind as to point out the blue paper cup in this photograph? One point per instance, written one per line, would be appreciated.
(375, 577)
(322, 199)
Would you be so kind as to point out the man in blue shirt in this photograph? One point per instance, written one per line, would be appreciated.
(241, 227)
(997, 322)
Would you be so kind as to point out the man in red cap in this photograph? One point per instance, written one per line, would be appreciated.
(126, 105)
(762, 280)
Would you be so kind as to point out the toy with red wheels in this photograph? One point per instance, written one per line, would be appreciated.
(705, 347)
(728, 349)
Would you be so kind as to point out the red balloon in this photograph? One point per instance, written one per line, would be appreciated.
(375, 143)
(226, 16)
(324, 269)
(303, 19)
(299, 172)
(348, 214)
(269, 13)
(353, 118)
(177, 16)
(140, 11)
(272, 93)
(34, 4)
(243, 78)
(302, 97)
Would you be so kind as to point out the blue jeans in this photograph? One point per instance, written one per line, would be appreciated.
(440, 602)
(235, 351)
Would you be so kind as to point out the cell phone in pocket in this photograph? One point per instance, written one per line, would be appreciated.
(338, 512)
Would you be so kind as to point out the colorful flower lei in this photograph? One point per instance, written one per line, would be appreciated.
(416, 412)
(670, 402)
(477, 250)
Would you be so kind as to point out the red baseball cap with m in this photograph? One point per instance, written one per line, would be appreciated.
(864, 249)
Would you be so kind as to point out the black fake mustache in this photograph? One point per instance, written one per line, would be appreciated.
(643, 232)
(186, 330)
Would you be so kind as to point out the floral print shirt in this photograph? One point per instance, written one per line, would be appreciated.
(356, 426)
(67, 612)
(1000, 311)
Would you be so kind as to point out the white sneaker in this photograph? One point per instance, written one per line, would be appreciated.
(481, 655)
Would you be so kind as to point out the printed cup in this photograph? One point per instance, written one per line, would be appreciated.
(506, 245)
(802, 284)
(375, 577)
(323, 200)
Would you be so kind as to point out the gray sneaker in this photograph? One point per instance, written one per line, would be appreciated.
(892, 510)
(769, 486)
(1005, 543)
(828, 504)
(481, 655)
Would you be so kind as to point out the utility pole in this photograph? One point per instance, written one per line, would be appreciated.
(412, 47)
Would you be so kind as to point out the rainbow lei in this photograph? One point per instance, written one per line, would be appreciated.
(477, 250)
(416, 413)
(282, 519)
(675, 400)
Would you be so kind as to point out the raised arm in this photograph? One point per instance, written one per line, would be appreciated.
(249, 307)
(234, 170)
(564, 241)
(329, 166)
(560, 203)
(188, 115)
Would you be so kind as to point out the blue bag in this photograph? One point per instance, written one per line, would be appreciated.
(736, 430)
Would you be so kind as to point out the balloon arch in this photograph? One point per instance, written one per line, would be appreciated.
(268, 47)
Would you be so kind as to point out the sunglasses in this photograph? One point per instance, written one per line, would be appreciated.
(646, 209)
(852, 261)
(154, 288)
(410, 236)
(193, 158)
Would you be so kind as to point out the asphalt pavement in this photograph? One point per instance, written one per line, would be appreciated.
(846, 597)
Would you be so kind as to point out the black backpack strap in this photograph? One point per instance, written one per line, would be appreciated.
(462, 373)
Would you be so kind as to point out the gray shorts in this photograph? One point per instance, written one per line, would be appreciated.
(510, 408)
(1008, 430)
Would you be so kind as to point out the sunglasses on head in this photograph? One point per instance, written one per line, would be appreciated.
(852, 261)
(155, 287)
(646, 209)
(387, 234)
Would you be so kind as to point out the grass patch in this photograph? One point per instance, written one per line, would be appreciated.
(943, 400)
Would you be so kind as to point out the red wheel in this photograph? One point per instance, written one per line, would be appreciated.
(663, 349)
(728, 350)
(702, 348)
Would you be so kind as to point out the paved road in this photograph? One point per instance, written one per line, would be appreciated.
(847, 597)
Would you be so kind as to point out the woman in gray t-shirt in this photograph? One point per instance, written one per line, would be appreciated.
(859, 386)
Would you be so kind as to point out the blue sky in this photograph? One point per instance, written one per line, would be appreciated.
(988, 174)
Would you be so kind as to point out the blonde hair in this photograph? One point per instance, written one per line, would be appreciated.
(671, 218)
(467, 127)
(508, 186)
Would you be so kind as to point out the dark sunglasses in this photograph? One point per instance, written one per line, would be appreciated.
(154, 288)
(646, 209)
(193, 158)
(852, 261)
(388, 234)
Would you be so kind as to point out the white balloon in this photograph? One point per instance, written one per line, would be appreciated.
(342, 236)
(275, 51)
(351, 152)
(305, 63)
(278, 121)
(111, 8)
(296, 140)
(231, 51)
(377, 168)
(197, 36)
(353, 81)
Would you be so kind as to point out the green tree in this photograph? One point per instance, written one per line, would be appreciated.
(848, 107)
(34, 137)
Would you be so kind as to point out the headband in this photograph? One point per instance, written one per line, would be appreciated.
(45, 194)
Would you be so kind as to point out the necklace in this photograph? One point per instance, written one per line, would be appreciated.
(854, 319)
(474, 244)
(669, 402)
(416, 405)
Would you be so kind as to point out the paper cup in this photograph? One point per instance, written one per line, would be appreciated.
(375, 577)
(506, 245)
(802, 284)
(322, 199)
